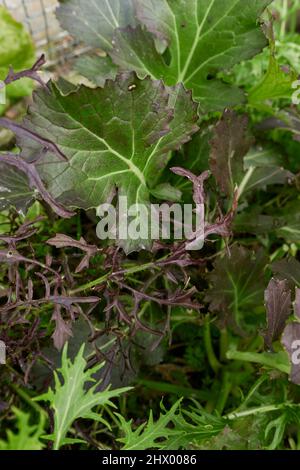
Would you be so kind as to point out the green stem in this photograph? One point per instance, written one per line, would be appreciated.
(255, 411)
(284, 13)
(224, 392)
(265, 359)
(245, 181)
(105, 277)
(223, 344)
(213, 361)
(27, 399)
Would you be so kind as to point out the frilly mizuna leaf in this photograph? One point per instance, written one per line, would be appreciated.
(27, 436)
(72, 399)
(204, 38)
(94, 22)
(118, 136)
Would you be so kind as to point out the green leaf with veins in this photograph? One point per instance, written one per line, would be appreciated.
(96, 69)
(93, 22)
(276, 84)
(72, 398)
(237, 285)
(204, 38)
(119, 136)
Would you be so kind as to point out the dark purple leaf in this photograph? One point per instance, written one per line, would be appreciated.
(278, 303)
(230, 143)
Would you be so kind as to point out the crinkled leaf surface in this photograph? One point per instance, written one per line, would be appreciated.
(113, 137)
(204, 37)
(72, 398)
(150, 435)
(94, 22)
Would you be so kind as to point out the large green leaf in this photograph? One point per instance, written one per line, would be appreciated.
(204, 38)
(118, 136)
(94, 22)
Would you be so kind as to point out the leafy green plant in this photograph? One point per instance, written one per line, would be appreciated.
(75, 396)
(27, 437)
(189, 102)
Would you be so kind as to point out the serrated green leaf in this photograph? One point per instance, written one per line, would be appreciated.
(149, 435)
(27, 436)
(175, 429)
(203, 37)
(119, 136)
(72, 398)
(275, 84)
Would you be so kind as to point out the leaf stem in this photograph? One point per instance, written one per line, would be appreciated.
(212, 359)
(105, 277)
(255, 411)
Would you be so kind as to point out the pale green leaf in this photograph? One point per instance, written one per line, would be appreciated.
(74, 395)
(27, 436)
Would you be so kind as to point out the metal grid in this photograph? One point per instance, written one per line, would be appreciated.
(39, 17)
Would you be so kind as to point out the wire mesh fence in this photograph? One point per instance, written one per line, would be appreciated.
(39, 17)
